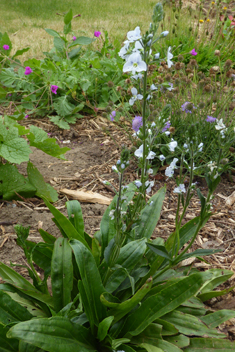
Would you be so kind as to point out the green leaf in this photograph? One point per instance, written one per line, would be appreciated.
(151, 348)
(75, 215)
(219, 276)
(160, 250)
(11, 181)
(27, 347)
(54, 334)
(52, 32)
(210, 294)
(12, 147)
(8, 77)
(82, 41)
(63, 107)
(150, 215)
(65, 224)
(20, 52)
(7, 345)
(44, 190)
(125, 307)
(103, 327)
(131, 254)
(91, 282)
(150, 335)
(163, 302)
(29, 305)
(59, 44)
(11, 311)
(190, 325)
(198, 253)
(48, 238)
(61, 273)
(68, 17)
(210, 345)
(178, 340)
(215, 319)
(5, 40)
(168, 329)
(60, 122)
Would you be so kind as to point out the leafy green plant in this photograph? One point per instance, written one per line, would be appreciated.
(14, 149)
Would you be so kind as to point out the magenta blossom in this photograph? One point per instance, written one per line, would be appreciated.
(210, 119)
(137, 122)
(6, 47)
(112, 115)
(74, 38)
(28, 70)
(97, 34)
(193, 52)
(26, 116)
(54, 89)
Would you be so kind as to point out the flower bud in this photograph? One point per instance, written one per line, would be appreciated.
(110, 84)
(172, 130)
(180, 58)
(217, 52)
(232, 150)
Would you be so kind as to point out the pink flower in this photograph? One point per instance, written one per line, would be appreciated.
(6, 47)
(54, 89)
(28, 70)
(193, 52)
(74, 38)
(26, 116)
(97, 34)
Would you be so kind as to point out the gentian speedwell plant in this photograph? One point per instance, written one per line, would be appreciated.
(119, 290)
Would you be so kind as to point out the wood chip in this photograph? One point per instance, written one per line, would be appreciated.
(88, 197)
(231, 199)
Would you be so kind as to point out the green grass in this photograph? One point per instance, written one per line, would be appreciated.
(25, 20)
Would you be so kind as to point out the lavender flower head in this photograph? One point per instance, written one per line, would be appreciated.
(187, 107)
(210, 119)
(54, 89)
(6, 47)
(97, 34)
(112, 115)
(166, 127)
(137, 123)
(193, 52)
(27, 71)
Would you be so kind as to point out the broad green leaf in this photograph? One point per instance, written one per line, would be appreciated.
(163, 302)
(210, 294)
(131, 254)
(150, 215)
(7, 345)
(12, 147)
(47, 237)
(125, 307)
(32, 308)
(61, 273)
(65, 224)
(168, 329)
(96, 250)
(11, 181)
(160, 250)
(190, 325)
(91, 281)
(52, 32)
(8, 77)
(219, 276)
(59, 44)
(5, 40)
(20, 52)
(115, 280)
(210, 345)
(151, 348)
(60, 122)
(27, 347)
(215, 319)
(178, 340)
(82, 41)
(75, 215)
(103, 327)
(150, 335)
(44, 190)
(116, 343)
(198, 253)
(167, 346)
(68, 17)
(74, 52)
(11, 311)
(54, 334)
(63, 107)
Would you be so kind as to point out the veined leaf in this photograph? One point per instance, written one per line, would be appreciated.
(215, 319)
(178, 340)
(75, 215)
(54, 334)
(11, 311)
(210, 294)
(210, 345)
(103, 327)
(52, 32)
(20, 52)
(131, 254)
(68, 17)
(151, 348)
(150, 335)
(82, 41)
(61, 273)
(7, 345)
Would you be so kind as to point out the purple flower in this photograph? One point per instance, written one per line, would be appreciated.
(6, 47)
(187, 108)
(210, 119)
(54, 89)
(74, 38)
(26, 116)
(193, 52)
(28, 70)
(167, 125)
(97, 34)
(137, 123)
(112, 115)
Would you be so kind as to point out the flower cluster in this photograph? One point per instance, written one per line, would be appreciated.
(169, 172)
(6, 47)
(28, 70)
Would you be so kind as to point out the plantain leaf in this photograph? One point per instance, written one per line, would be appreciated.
(75, 215)
(57, 334)
(215, 319)
(61, 273)
(7, 345)
(210, 294)
(104, 327)
(178, 340)
(210, 345)
(131, 254)
(11, 311)
(151, 348)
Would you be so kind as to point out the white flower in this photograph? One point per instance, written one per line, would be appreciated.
(156, 56)
(114, 168)
(153, 87)
(123, 166)
(173, 163)
(118, 162)
(150, 171)
(122, 53)
(139, 152)
(220, 125)
(167, 133)
(169, 57)
(138, 47)
(185, 145)
(169, 172)
(164, 33)
(153, 124)
(151, 155)
(111, 214)
(138, 76)
(135, 97)
(200, 147)
(161, 157)
(172, 145)
(134, 35)
(134, 64)
(106, 182)
(149, 185)
(180, 189)
(138, 183)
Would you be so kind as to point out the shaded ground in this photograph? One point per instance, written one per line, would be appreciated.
(89, 162)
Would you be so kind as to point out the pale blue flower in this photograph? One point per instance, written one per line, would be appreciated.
(164, 33)
(134, 35)
(180, 189)
(134, 64)
(169, 57)
(135, 97)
